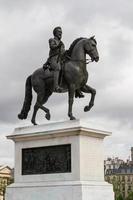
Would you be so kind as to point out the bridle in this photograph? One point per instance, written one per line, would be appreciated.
(87, 61)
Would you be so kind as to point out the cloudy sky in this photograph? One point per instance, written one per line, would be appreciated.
(26, 26)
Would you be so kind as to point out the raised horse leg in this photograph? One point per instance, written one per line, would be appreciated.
(41, 99)
(88, 89)
(71, 92)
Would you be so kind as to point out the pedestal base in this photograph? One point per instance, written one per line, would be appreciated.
(72, 190)
(59, 161)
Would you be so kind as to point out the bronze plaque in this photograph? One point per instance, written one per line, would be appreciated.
(46, 160)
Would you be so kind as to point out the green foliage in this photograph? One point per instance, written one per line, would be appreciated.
(120, 197)
(3, 184)
(130, 196)
(118, 187)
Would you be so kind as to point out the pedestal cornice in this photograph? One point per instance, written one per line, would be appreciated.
(57, 129)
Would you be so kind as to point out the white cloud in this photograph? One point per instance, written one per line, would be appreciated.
(26, 28)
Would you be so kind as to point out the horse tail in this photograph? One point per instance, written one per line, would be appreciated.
(27, 101)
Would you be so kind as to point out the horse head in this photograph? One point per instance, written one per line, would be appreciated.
(91, 49)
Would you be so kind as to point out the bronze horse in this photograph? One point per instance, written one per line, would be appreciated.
(74, 78)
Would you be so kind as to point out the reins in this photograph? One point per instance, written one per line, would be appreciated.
(87, 61)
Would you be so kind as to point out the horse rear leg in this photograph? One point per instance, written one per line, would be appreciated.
(46, 110)
(88, 89)
(41, 99)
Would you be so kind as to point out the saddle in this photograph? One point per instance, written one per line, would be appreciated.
(63, 59)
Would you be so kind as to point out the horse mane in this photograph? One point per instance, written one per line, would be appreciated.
(69, 51)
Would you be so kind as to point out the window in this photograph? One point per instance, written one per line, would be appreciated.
(123, 178)
(128, 178)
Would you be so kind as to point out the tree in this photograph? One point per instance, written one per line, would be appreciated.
(3, 184)
(130, 196)
(120, 197)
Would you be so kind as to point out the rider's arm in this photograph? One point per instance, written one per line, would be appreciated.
(62, 48)
(52, 44)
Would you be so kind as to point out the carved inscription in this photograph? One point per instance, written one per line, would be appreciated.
(46, 160)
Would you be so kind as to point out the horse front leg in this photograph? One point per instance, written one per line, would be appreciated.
(71, 92)
(88, 89)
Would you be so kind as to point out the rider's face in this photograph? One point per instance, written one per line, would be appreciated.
(58, 33)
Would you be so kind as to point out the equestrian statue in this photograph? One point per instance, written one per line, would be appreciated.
(64, 71)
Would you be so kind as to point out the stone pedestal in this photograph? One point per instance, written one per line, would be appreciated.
(59, 161)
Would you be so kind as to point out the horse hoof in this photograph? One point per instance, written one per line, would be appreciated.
(86, 108)
(47, 116)
(72, 118)
(20, 116)
(33, 122)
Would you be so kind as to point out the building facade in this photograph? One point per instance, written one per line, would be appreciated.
(120, 174)
(112, 164)
(6, 177)
(122, 180)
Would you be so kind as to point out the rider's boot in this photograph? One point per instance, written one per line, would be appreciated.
(46, 65)
(57, 88)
